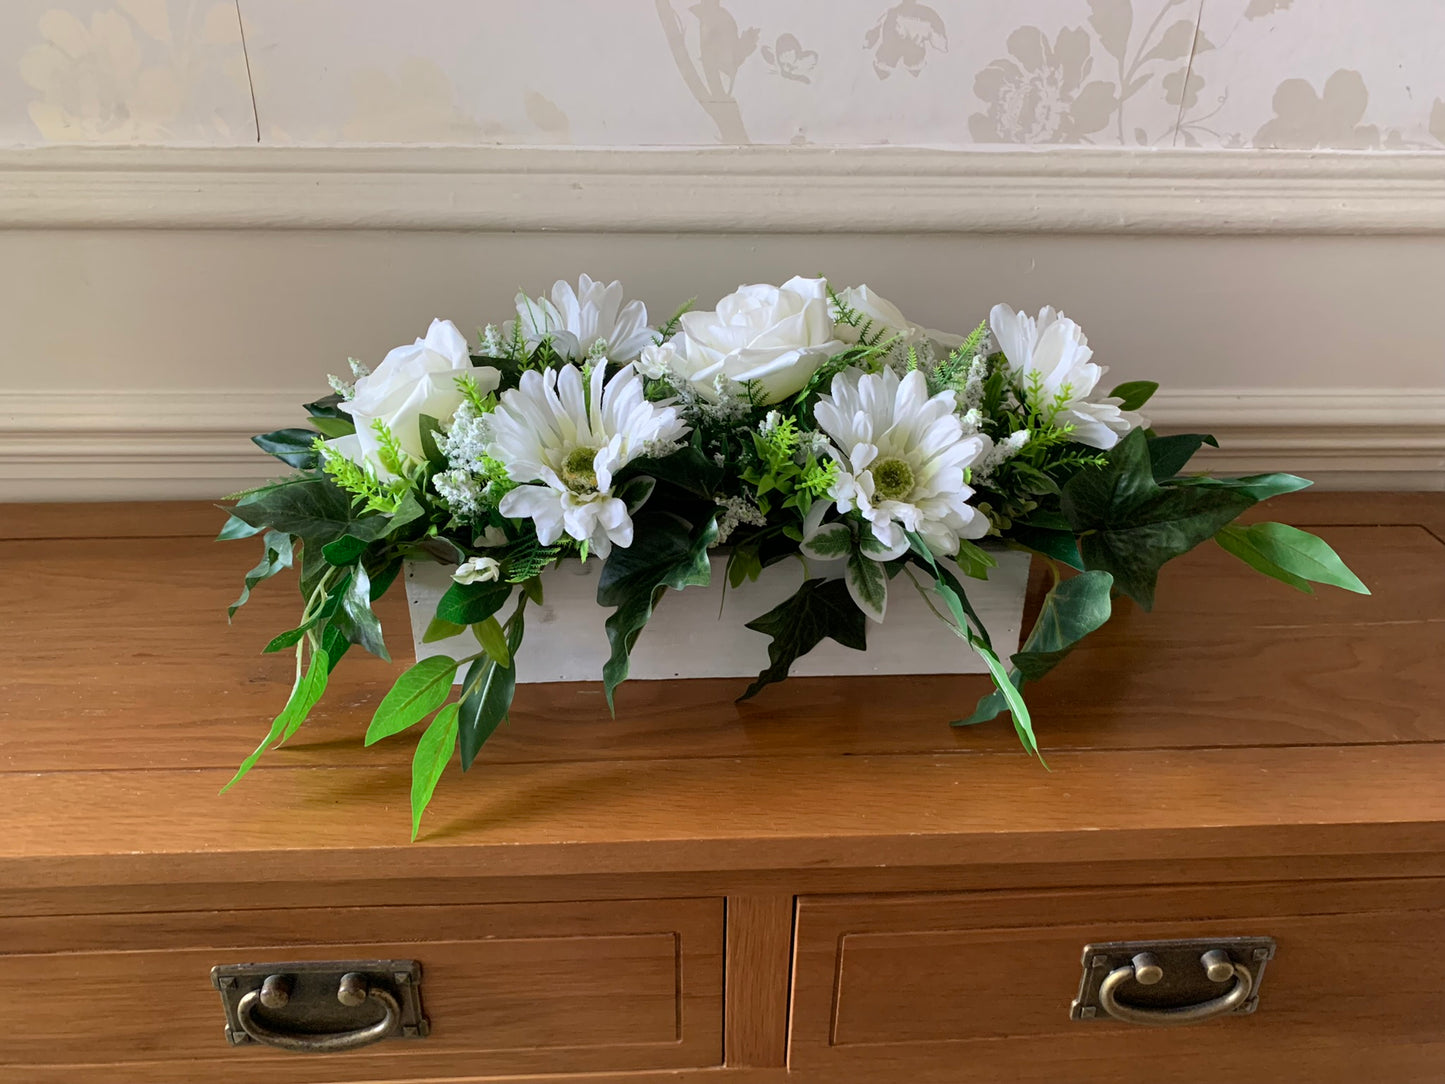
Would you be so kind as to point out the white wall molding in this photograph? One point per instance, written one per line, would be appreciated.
(725, 190)
(195, 444)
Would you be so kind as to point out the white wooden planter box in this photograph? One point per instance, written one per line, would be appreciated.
(688, 638)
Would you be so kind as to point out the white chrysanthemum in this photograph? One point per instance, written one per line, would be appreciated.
(578, 320)
(902, 456)
(567, 442)
(1049, 358)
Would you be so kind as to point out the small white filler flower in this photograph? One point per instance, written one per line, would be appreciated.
(902, 455)
(1049, 358)
(588, 322)
(477, 570)
(565, 440)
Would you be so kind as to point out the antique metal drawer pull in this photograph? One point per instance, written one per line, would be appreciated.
(353, 991)
(313, 1007)
(1179, 980)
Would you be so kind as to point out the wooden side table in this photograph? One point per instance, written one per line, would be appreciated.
(826, 884)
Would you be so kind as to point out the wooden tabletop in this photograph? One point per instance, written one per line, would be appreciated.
(1239, 719)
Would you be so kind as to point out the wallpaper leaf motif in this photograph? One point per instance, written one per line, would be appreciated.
(1304, 119)
(721, 52)
(1113, 21)
(1258, 9)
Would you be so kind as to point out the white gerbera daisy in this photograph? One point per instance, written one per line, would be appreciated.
(902, 456)
(1049, 358)
(566, 443)
(588, 322)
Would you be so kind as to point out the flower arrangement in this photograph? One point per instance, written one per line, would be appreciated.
(792, 421)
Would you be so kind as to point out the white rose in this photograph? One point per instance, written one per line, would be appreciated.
(887, 318)
(773, 336)
(412, 381)
(478, 570)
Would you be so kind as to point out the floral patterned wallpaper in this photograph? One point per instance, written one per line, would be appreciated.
(1348, 74)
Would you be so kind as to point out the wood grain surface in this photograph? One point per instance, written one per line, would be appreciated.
(1245, 754)
(1239, 705)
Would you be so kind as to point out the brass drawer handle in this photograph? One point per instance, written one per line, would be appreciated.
(1145, 969)
(353, 990)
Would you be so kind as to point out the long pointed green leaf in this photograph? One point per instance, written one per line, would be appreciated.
(307, 690)
(416, 694)
(1301, 554)
(487, 699)
(430, 760)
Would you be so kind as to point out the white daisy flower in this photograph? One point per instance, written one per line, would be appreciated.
(902, 456)
(588, 322)
(1049, 358)
(566, 442)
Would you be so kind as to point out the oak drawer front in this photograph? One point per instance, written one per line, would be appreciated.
(508, 989)
(985, 981)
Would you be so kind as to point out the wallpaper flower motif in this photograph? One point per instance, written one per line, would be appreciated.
(903, 37)
(789, 59)
(1038, 93)
(126, 74)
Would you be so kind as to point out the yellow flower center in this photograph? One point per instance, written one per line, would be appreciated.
(577, 471)
(892, 480)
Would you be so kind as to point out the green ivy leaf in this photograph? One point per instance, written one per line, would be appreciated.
(364, 625)
(820, 608)
(307, 690)
(470, 603)
(1071, 610)
(487, 694)
(666, 552)
(276, 556)
(867, 586)
(1135, 393)
(1130, 526)
(433, 754)
(1059, 545)
(634, 492)
(1169, 455)
(237, 528)
(1275, 548)
(416, 694)
(312, 509)
(689, 469)
(292, 446)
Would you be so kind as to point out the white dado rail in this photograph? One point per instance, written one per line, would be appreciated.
(167, 303)
(725, 190)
